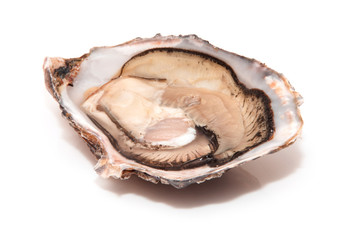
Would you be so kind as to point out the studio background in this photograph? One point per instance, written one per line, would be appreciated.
(310, 190)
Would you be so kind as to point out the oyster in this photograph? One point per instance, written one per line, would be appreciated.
(174, 110)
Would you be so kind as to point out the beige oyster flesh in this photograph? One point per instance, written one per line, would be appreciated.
(174, 110)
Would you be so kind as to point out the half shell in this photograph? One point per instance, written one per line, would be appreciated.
(173, 109)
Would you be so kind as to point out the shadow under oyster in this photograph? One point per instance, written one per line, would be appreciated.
(174, 110)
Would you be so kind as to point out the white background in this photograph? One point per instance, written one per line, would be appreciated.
(307, 191)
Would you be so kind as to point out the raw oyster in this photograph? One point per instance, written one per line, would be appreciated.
(173, 109)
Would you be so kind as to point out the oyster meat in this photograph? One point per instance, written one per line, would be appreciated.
(173, 109)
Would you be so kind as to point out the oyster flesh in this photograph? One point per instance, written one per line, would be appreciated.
(173, 109)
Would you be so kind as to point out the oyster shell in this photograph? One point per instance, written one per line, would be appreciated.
(173, 109)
